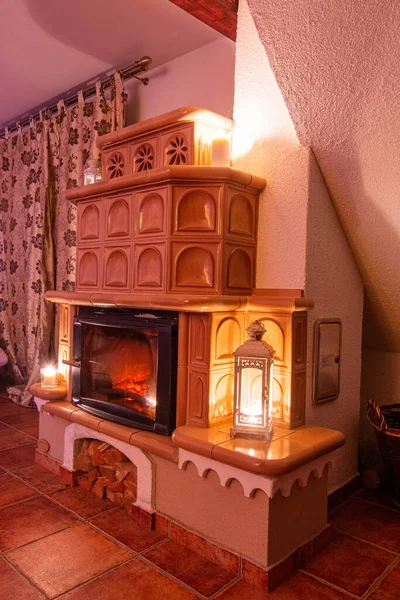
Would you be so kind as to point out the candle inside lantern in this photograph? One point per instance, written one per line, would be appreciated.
(48, 377)
(221, 150)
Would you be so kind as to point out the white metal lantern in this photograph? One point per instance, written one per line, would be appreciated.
(92, 174)
(254, 365)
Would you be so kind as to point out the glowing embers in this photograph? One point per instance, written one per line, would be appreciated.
(120, 367)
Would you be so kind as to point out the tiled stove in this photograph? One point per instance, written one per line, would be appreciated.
(165, 231)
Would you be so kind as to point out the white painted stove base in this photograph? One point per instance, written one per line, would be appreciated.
(143, 463)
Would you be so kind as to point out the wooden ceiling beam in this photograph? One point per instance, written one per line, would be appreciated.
(221, 15)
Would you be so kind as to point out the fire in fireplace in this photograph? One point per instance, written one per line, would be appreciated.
(125, 364)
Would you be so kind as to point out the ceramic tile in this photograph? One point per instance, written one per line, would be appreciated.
(201, 546)
(13, 586)
(382, 497)
(389, 589)
(17, 458)
(119, 584)
(81, 501)
(369, 522)
(9, 408)
(12, 438)
(349, 564)
(197, 572)
(30, 520)
(32, 430)
(124, 529)
(275, 458)
(65, 559)
(28, 417)
(298, 587)
(41, 479)
(13, 490)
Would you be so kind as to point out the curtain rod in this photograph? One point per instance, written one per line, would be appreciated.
(88, 89)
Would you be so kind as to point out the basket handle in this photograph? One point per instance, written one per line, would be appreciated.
(375, 413)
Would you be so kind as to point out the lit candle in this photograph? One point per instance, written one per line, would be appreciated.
(48, 377)
(221, 150)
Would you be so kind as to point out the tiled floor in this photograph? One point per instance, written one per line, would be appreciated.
(58, 542)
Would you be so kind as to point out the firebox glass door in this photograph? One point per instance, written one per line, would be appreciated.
(119, 365)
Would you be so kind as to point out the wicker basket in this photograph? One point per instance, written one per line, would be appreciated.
(386, 422)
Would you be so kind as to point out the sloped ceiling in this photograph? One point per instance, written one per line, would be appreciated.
(338, 66)
(49, 47)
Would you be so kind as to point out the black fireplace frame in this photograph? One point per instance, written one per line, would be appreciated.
(166, 324)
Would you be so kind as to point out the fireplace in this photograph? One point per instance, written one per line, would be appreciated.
(125, 365)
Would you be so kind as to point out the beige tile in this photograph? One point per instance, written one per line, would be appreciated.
(199, 439)
(322, 439)
(276, 458)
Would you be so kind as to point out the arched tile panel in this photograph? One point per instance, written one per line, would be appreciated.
(196, 212)
(118, 218)
(151, 214)
(116, 269)
(194, 268)
(241, 217)
(239, 272)
(89, 223)
(228, 338)
(150, 268)
(88, 269)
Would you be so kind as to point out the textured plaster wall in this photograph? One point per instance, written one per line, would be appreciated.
(204, 77)
(266, 144)
(338, 65)
(301, 241)
(334, 283)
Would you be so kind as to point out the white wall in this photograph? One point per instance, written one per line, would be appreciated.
(204, 77)
(334, 283)
(301, 243)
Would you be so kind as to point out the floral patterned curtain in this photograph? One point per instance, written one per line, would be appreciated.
(73, 133)
(37, 223)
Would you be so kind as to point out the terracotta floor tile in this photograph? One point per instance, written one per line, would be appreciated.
(13, 490)
(298, 587)
(3, 426)
(81, 501)
(389, 589)
(369, 522)
(12, 438)
(17, 458)
(4, 398)
(26, 416)
(134, 580)
(65, 559)
(199, 573)
(27, 521)
(124, 529)
(381, 496)
(32, 430)
(9, 408)
(13, 586)
(41, 479)
(350, 564)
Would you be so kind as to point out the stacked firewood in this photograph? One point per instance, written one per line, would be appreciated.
(106, 472)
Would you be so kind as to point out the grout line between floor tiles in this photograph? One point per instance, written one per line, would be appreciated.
(224, 588)
(342, 532)
(22, 574)
(374, 586)
(83, 583)
(329, 584)
(18, 501)
(16, 447)
(7, 552)
(395, 510)
(173, 578)
(17, 429)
